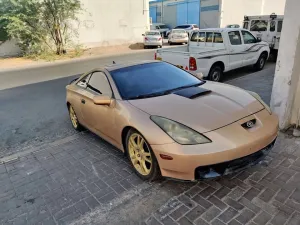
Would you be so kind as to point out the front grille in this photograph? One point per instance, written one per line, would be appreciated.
(233, 166)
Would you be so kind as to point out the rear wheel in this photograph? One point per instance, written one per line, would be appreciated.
(260, 64)
(141, 156)
(215, 73)
(75, 123)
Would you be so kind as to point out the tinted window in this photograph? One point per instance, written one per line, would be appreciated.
(156, 27)
(163, 26)
(150, 78)
(218, 38)
(209, 36)
(99, 84)
(259, 25)
(83, 81)
(279, 27)
(248, 38)
(198, 37)
(272, 25)
(183, 27)
(246, 24)
(235, 38)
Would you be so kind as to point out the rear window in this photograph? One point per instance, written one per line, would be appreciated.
(198, 37)
(218, 38)
(183, 27)
(259, 25)
(163, 27)
(152, 33)
(209, 36)
(179, 31)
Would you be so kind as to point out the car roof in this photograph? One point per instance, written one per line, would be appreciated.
(116, 66)
(156, 31)
(221, 29)
(179, 29)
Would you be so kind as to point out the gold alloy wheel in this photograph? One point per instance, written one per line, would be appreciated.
(73, 117)
(139, 154)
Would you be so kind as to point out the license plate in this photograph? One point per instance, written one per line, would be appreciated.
(178, 36)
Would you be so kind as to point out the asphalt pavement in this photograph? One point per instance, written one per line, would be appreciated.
(33, 112)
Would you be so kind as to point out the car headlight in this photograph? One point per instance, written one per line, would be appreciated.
(258, 98)
(180, 133)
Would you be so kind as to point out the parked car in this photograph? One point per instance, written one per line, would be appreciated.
(217, 50)
(162, 28)
(170, 123)
(152, 38)
(188, 27)
(178, 36)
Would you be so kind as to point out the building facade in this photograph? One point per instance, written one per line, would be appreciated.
(211, 13)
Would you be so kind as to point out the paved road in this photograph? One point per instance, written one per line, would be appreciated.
(36, 114)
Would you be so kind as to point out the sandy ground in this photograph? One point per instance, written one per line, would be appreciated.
(8, 63)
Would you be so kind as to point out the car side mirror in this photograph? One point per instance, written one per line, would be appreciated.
(102, 100)
(258, 39)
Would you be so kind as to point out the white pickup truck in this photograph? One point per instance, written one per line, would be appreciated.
(215, 51)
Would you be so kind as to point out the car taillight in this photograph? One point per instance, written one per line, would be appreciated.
(155, 56)
(193, 64)
(146, 39)
(159, 39)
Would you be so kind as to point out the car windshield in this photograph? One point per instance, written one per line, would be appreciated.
(179, 31)
(163, 27)
(151, 79)
(152, 33)
(183, 26)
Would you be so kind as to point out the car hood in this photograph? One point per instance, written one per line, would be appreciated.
(219, 106)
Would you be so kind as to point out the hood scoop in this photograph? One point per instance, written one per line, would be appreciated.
(192, 92)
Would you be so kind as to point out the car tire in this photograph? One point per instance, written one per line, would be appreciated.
(260, 64)
(216, 73)
(142, 159)
(74, 120)
(145, 47)
(170, 43)
(160, 46)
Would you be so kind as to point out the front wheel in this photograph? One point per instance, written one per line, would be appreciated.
(215, 74)
(260, 64)
(141, 156)
(75, 122)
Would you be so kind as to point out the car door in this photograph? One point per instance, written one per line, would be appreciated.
(236, 49)
(250, 42)
(99, 118)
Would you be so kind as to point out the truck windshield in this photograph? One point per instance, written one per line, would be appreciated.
(163, 27)
(151, 79)
(259, 25)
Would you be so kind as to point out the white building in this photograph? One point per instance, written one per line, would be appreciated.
(104, 23)
(211, 13)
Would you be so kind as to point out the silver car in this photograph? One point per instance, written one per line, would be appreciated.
(152, 38)
(178, 36)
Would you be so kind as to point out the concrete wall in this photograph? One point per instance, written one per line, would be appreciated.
(273, 6)
(9, 49)
(113, 22)
(210, 13)
(285, 100)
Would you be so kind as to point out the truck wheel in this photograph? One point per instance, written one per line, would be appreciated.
(260, 64)
(215, 73)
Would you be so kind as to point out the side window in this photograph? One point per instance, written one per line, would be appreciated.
(272, 26)
(84, 81)
(157, 27)
(279, 27)
(99, 84)
(198, 37)
(235, 38)
(209, 37)
(259, 25)
(218, 38)
(248, 37)
(246, 24)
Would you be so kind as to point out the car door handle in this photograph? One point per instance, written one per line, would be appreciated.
(82, 101)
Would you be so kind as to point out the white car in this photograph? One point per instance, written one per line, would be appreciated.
(178, 36)
(217, 50)
(188, 27)
(152, 38)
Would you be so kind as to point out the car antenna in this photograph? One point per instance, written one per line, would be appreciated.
(114, 62)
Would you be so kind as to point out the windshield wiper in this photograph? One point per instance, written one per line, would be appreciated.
(183, 87)
(165, 92)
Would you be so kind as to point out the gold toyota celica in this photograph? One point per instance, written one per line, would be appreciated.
(170, 123)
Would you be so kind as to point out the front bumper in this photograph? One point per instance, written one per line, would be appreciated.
(153, 43)
(229, 143)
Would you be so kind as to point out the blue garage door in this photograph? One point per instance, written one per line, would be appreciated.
(194, 12)
(153, 14)
(188, 12)
(182, 12)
